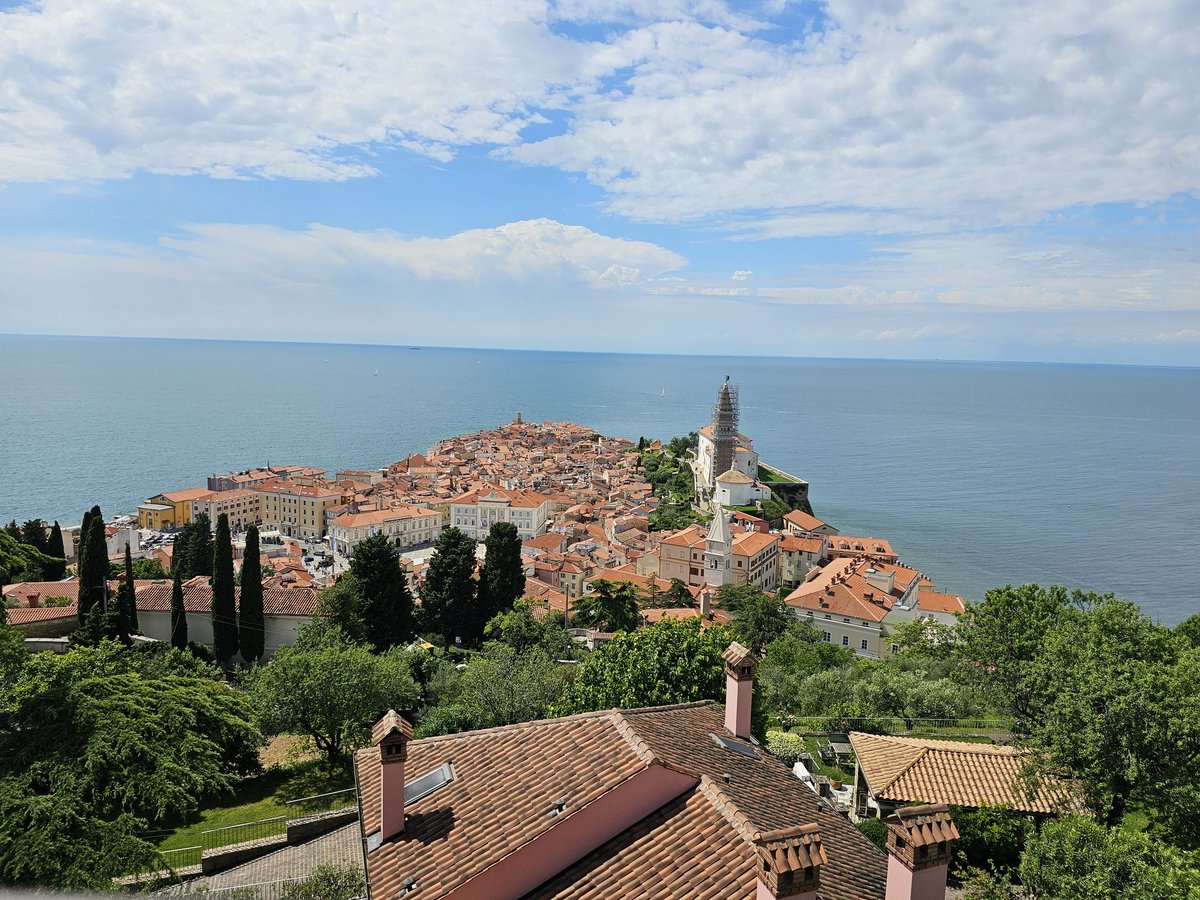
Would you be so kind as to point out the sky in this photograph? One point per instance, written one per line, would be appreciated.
(864, 178)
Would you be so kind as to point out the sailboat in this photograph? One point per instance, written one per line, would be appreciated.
(664, 393)
(376, 372)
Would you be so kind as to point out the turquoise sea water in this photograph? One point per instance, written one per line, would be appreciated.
(979, 473)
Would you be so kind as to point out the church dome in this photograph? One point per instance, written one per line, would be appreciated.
(735, 477)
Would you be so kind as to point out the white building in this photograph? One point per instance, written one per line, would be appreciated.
(477, 511)
(242, 506)
(407, 526)
(736, 488)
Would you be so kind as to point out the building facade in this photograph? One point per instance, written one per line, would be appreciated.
(478, 510)
(406, 526)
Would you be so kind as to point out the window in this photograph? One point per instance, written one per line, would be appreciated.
(864, 644)
(827, 615)
(845, 641)
(828, 637)
(847, 621)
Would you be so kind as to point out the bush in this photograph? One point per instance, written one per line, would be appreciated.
(990, 838)
(875, 831)
(786, 746)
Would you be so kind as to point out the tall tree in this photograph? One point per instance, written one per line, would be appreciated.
(502, 577)
(93, 565)
(448, 595)
(56, 549)
(193, 552)
(33, 533)
(386, 603)
(611, 606)
(127, 621)
(250, 608)
(179, 630)
(224, 604)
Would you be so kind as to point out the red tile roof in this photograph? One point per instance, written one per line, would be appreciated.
(703, 844)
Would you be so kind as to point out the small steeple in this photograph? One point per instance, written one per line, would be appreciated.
(518, 420)
(718, 530)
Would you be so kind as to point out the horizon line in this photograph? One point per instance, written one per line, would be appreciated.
(410, 346)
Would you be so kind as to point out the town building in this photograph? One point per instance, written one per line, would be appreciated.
(407, 526)
(476, 511)
(801, 523)
(672, 801)
(798, 556)
(296, 510)
(169, 511)
(242, 506)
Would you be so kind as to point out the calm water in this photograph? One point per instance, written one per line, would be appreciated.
(979, 473)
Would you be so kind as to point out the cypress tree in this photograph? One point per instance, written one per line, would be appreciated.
(250, 608)
(502, 578)
(179, 635)
(127, 621)
(55, 548)
(387, 603)
(93, 564)
(201, 554)
(224, 603)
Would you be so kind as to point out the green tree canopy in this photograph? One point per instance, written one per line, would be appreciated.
(193, 549)
(127, 618)
(669, 662)
(449, 593)
(103, 742)
(758, 618)
(21, 562)
(251, 633)
(341, 604)
(93, 564)
(330, 689)
(1076, 858)
(610, 606)
(502, 685)
(526, 627)
(386, 606)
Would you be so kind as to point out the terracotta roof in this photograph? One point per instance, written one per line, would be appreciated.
(185, 496)
(965, 774)
(936, 602)
(750, 543)
(26, 616)
(155, 596)
(505, 780)
(23, 590)
(803, 520)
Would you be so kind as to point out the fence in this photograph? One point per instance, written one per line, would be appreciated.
(266, 890)
(248, 831)
(325, 796)
(993, 728)
(182, 857)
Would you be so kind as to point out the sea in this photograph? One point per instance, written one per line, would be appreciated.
(979, 473)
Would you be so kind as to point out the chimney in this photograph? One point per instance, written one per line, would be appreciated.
(34, 600)
(391, 735)
(920, 844)
(739, 689)
(789, 863)
(705, 603)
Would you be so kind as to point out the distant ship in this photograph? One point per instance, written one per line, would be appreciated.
(376, 372)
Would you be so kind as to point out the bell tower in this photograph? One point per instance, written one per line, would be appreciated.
(725, 426)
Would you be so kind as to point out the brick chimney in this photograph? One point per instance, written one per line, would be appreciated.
(789, 863)
(739, 689)
(920, 844)
(34, 600)
(391, 735)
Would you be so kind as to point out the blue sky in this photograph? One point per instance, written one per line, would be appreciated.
(852, 178)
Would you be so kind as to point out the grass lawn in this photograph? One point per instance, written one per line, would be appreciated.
(264, 797)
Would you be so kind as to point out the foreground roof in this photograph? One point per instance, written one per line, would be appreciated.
(507, 782)
(964, 774)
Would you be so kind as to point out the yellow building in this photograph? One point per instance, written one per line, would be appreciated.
(169, 511)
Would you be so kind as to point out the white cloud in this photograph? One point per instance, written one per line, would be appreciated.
(741, 275)
(106, 88)
(906, 117)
